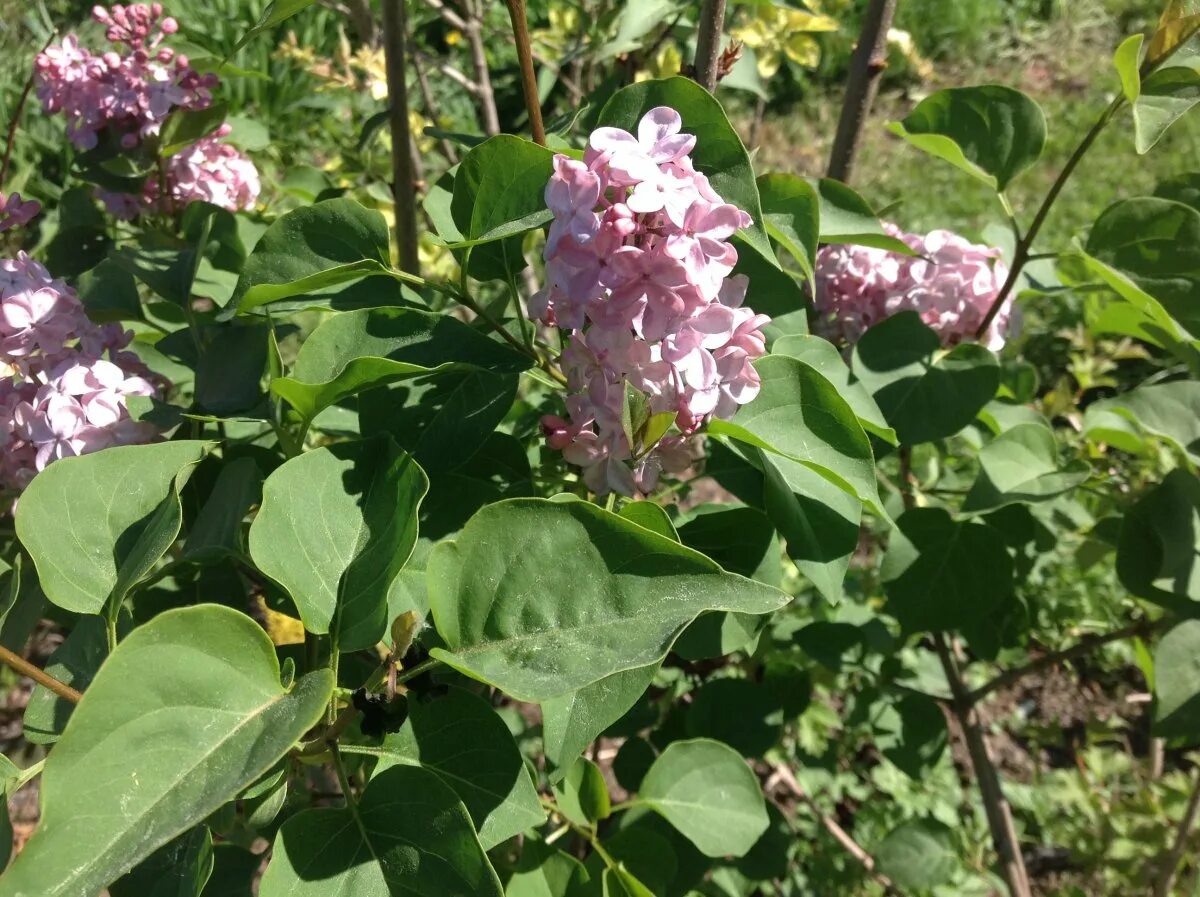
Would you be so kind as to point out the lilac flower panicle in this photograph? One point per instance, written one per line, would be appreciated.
(128, 95)
(64, 381)
(17, 212)
(951, 283)
(638, 277)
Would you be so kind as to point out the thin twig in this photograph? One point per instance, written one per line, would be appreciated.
(708, 43)
(520, 27)
(1170, 866)
(18, 110)
(867, 65)
(1021, 254)
(404, 180)
(1086, 645)
(785, 775)
(427, 101)
(450, 72)
(473, 29)
(452, 18)
(38, 675)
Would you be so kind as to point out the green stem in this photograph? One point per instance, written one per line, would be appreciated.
(1022, 253)
(334, 658)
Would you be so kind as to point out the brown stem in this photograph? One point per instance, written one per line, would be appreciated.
(520, 27)
(995, 805)
(708, 42)
(1022, 253)
(844, 838)
(18, 110)
(1086, 645)
(487, 97)
(362, 21)
(867, 65)
(404, 180)
(40, 676)
(1170, 865)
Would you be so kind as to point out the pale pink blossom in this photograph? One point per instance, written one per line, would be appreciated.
(638, 276)
(17, 212)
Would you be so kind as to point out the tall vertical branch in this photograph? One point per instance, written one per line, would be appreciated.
(867, 65)
(404, 180)
(708, 43)
(520, 28)
(473, 29)
(1170, 864)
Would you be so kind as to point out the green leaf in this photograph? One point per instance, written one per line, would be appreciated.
(1170, 411)
(918, 854)
(277, 12)
(940, 574)
(791, 214)
(1177, 682)
(917, 737)
(217, 530)
(499, 190)
(800, 416)
(185, 713)
(620, 882)
(719, 152)
(572, 721)
(179, 868)
(846, 217)
(709, 794)
(1021, 466)
(1160, 542)
(490, 778)
(96, 524)
(545, 871)
(619, 598)
(409, 834)
(824, 356)
(313, 248)
(109, 293)
(336, 526)
(359, 350)
(1155, 243)
(924, 394)
(183, 127)
(582, 795)
(1125, 61)
(736, 712)
(651, 516)
(1166, 95)
(993, 133)
(74, 662)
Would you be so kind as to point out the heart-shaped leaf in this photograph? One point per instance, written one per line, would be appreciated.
(791, 213)
(1021, 466)
(1177, 682)
(185, 713)
(540, 598)
(1160, 542)
(336, 526)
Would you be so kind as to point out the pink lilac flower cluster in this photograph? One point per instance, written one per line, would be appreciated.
(951, 283)
(129, 94)
(208, 171)
(638, 271)
(64, 381)
(17, 212)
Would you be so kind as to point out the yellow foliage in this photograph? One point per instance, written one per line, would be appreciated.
(775, 32)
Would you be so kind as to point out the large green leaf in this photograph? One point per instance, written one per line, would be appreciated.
(707, 792)
(1177, 682)
(74, 662)
(499, 187)
(1166, 95)
(545, 871)
(336, 526)
(185, 713)
(719, 152)
(582, 794)
(1021, 466)
(217, 530)
(180, 868)
(1170, 411)
(359, 350)
(1155, 243)
(993, 133)
(313, 248)
(943, 574)
(540, 598)
(918, 854)
(800, 416)
(924, 394)
(409, 836)
(791, 213)
(489, 778)
(1160, 542)
(96, 524)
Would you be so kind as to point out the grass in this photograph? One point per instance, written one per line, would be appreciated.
(1066, 66)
